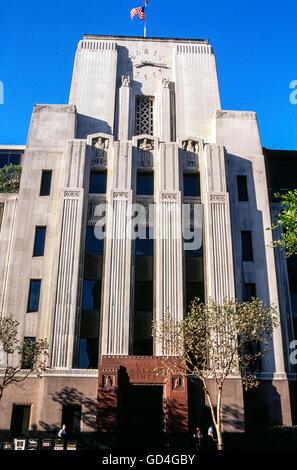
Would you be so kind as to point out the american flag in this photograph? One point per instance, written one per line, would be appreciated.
(139, 12)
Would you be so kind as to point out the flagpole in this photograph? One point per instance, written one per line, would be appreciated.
(145, 4)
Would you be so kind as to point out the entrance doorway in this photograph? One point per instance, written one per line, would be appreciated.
(71, 416)
(141, 416)
(20, 420)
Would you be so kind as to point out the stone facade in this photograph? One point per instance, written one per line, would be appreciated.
(138, 106)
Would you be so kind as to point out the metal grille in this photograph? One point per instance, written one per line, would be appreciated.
(144, 115)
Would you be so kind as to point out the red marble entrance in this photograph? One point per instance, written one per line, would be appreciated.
(119, 377)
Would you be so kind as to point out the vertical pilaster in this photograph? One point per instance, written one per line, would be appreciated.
(116, 309)
(124, 108)
(67, 277)
(164, 120)
(8, 215)
(169, 267)
(219, 257)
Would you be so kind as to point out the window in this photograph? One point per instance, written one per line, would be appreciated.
(252, 349)
(145, 183)
(91, 295)
(144, 115)
(247, 246)
(39, 241)
(144, 246)
(46, 180)
(143, 296)
(94, 246)
(242, 188)
(20, 419)
(28, 352)
(88, 353)
(34, 294)
(192, 184)
(98, 182)
(249, 291)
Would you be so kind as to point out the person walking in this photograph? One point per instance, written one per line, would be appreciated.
(62, 433)
(198, 436)
(210, 437)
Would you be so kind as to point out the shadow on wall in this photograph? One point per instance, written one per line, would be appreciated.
(200, 414)
(245, 216)
(262, 407)
(70, 396)
(87, 125)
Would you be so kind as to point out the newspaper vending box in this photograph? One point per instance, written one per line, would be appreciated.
(46, 444)
(71, 445)
(32, 444)
(59, 444)
(19, 444)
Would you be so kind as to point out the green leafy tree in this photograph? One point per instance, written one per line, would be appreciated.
(287, 220)
(19, 358)
(210, 344)
(10, 178)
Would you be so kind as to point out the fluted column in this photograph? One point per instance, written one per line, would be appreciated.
(218, 238)
(169, 264)
(67, 275)
(116, 309)
(219, 259)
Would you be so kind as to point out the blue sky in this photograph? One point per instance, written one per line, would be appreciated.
(255, 43)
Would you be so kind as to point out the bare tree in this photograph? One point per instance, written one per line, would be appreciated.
(216, 341)
(19, 358)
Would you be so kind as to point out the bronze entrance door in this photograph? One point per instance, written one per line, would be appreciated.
(141, 416)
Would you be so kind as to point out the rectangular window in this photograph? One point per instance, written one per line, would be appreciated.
(247, 246)
(46, 180)
(28, 352)
(88, 353)
(91, 295)
(144, 115)
(94, 246)
(39, 241)
(20, 420)
(242, 188)
(249, 291)
(191, 182)
(34, 294)
(98, 182)
(252, 349)
(145, 183)
(144, 246)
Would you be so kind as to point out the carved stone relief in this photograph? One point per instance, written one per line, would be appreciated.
(145, 144)
(100, 146)
(108, 382)
(191, 148)
(190, 145)
(177, 382)
(100, 143)
(218, 198)
(125, 80)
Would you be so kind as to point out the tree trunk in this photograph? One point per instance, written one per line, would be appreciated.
(220, 445)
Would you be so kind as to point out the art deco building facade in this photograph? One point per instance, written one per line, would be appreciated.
(143, 126)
